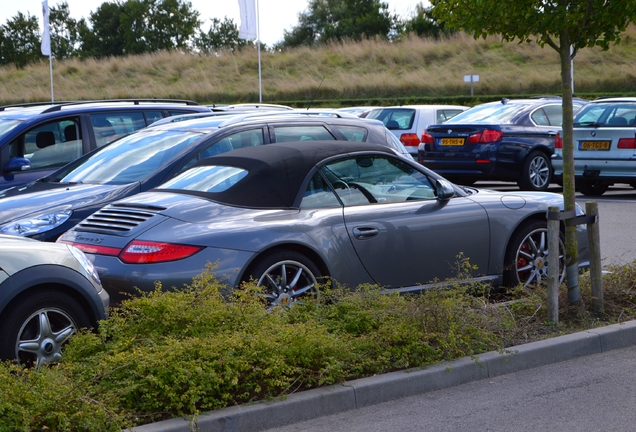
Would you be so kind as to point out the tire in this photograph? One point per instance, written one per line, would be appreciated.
(286, 276)
(536, 174)
(592, 187)
(35, 329)
(526, 260)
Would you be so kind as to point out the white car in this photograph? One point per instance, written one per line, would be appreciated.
(408, 122)
(604, 145)
(47, 291)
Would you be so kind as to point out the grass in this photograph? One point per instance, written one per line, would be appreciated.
(173, 354)
(362, 73)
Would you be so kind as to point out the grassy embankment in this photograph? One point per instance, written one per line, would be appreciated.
(371, 72)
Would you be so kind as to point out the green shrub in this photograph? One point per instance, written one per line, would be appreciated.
(169, 354)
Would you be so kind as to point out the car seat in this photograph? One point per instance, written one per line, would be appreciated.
(70, 133)
(617, 121)
(44, 139)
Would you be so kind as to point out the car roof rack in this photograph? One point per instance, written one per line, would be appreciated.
(286, 113)
(56, 106)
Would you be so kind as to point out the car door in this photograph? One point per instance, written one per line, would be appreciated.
(401, 232)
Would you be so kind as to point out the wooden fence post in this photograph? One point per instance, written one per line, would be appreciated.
(594, 244)
(554, 279)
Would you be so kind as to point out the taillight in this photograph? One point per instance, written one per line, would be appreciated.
(427, 138)
(140, 252)
(627, 143)
(410, 139)
(558, 141)
(94, 249)
(485, 136)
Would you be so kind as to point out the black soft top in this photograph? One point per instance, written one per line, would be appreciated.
(276, 172)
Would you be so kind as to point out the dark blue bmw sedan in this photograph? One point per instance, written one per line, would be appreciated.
(510, 140)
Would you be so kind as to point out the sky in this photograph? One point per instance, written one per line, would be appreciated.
(275, 16)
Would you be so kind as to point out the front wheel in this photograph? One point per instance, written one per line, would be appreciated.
(286, 276)
(537, 172)
(35, 329)
(526, 260)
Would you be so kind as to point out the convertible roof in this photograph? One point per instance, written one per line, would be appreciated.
(277, 171)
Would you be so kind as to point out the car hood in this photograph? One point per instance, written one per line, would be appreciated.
(18, 253)
(37, 197)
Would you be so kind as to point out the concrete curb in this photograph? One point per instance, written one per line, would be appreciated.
(377, 389)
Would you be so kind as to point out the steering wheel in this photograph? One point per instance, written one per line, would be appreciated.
(368, 195)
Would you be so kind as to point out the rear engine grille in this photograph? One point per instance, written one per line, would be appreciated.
(118, 218)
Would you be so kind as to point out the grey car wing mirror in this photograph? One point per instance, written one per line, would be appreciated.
(18, 164)
(445, 189)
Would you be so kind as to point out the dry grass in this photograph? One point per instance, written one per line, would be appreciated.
(370, 70)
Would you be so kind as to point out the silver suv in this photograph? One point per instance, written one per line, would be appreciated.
(604, 145)
(47, 291)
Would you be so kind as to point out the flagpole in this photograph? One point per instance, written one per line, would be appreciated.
(45, 47)
(258, 37)
(51, 74)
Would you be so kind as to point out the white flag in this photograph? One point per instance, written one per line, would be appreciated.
(46, 35)
(248, 19)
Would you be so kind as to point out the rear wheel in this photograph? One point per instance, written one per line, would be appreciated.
(286, 277)
(537, 172)
(35, 329)
(592, 187)
(526, 260)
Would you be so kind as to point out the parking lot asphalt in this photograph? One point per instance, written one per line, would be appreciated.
(364, 392)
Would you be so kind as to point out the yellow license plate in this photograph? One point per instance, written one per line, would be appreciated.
(595, 145)
(457, 142)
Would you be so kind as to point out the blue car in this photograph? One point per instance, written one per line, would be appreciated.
(38, 138)
(511, 140)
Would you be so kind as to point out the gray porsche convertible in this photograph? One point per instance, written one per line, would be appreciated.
(290, 214)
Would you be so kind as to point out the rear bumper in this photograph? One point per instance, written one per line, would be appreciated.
(620, 171)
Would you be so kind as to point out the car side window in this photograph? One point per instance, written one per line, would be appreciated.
(302, 133)
(364, 180)
(249, 138)
(555, 114)
(318, 194)
(50, 145)
(540, 118)
(352, 133)
(153, 116)
(110, 126)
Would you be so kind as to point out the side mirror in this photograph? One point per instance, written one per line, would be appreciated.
(18, 164)
(445, 190)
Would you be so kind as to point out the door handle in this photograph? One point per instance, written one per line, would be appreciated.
(365, 232)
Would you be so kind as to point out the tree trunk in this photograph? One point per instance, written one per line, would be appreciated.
(569, 198)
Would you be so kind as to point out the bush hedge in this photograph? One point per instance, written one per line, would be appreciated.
(177, 353)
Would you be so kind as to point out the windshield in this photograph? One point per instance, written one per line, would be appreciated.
(496, 113)
(8, 124)
(130, 159)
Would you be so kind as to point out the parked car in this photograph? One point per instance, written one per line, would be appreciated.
(604, 146)
(408, 122)
(47, 291)
(292, 213)
(36, 139)
(46, 208)
(510, 140)
(360, 111)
